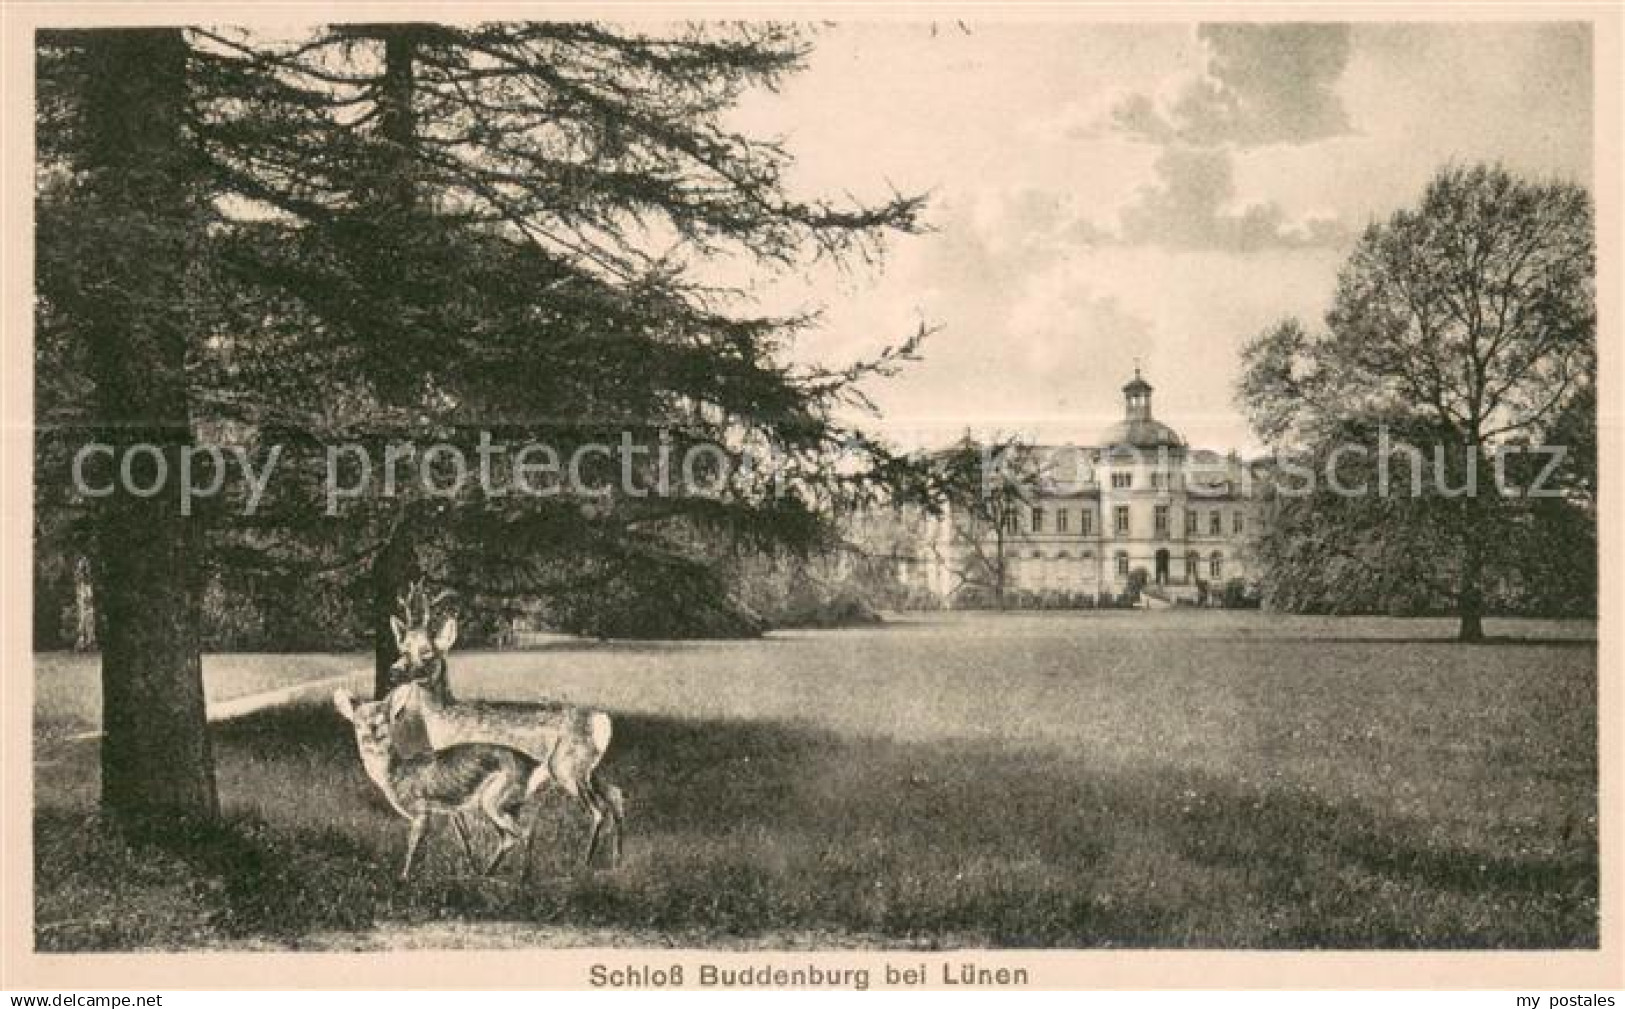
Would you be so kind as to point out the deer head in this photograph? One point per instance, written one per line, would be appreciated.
(371, 719)
(422, 651)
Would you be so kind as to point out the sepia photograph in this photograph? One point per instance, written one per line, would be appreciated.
(929, 488)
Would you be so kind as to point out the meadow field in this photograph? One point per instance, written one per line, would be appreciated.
(1095, 779)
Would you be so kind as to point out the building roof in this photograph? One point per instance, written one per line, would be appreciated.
(1140, 432)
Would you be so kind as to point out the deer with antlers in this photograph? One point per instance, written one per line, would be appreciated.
(566, 741)
(422, 654)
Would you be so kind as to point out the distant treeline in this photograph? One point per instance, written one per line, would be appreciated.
(283, 613)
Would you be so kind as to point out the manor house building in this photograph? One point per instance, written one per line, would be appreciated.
(1138, 498)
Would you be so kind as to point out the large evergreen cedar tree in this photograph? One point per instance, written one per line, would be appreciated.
(416, 233)
(1468, 323)
(119, 248)
(528, 172)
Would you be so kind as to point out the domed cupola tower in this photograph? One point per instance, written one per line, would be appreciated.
(1137, 398)
(1139, 429)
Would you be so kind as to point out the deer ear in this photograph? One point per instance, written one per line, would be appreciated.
(399, 627)
(447, 636)
(345, 703)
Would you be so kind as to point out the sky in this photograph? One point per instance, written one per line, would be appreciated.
(1106, 194)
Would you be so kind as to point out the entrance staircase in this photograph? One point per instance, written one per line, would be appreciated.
(1166, 595)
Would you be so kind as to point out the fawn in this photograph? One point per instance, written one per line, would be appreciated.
(494, 779)
(567, 741)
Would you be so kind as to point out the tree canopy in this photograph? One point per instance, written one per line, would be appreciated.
(439, 234)
(1467, 325)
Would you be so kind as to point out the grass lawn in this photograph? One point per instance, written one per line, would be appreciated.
(1081, 780)
(68, 686)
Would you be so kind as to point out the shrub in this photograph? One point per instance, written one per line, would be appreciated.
(1137, 580)
(841, 608)
(1238, 595)
(655, 602)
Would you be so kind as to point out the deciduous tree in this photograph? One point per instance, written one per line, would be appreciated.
(1471, 318)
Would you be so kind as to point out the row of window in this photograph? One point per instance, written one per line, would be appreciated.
(1215, 523)
(1120, 521)
(1193, 565)
(1125, 481)
(1193, 562)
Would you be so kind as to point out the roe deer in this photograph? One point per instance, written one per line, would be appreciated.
(422, 656)
(492, 778)
(567, 741)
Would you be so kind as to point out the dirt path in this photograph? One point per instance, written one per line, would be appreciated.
(237, 707)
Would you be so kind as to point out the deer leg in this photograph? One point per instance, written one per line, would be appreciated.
(530, 840)
(503, 847)
(494, 799)
(590, 800)
(608, 800)
(535, 801)
(414, 837)
(615, 803)
(462, 835)
(578, 789)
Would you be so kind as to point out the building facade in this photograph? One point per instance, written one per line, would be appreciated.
(1088, 516)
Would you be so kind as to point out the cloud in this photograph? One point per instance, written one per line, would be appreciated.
(1031, 182)
(1026, 338)
(1139, 117)
(1264, 84)
(1192, 206)
(1001, 237)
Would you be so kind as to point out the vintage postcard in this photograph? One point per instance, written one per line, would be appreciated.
(1019, 496)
